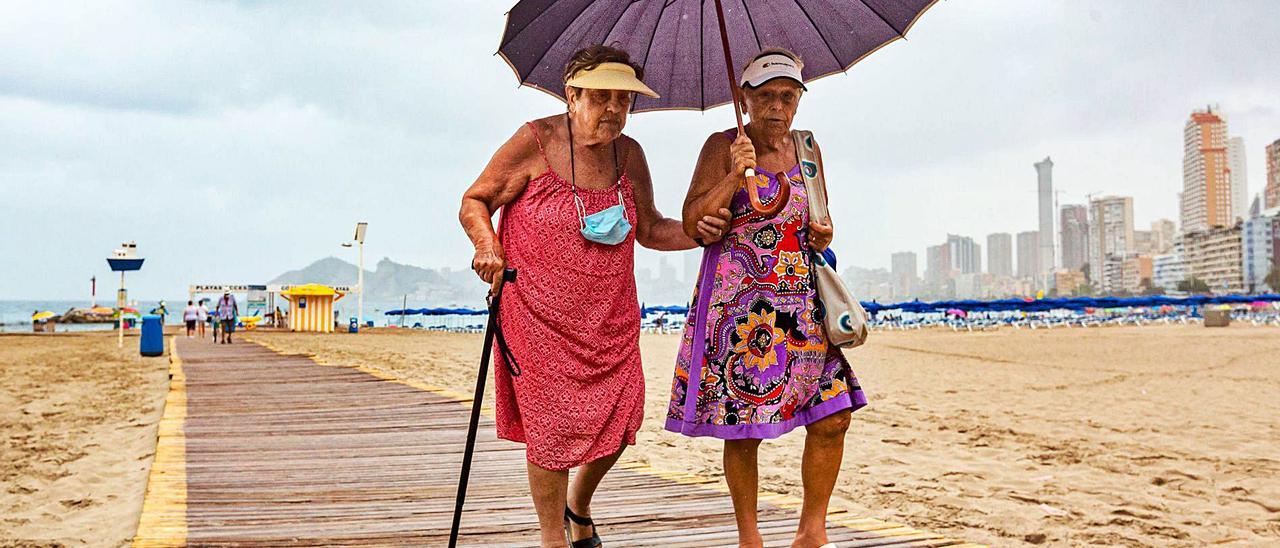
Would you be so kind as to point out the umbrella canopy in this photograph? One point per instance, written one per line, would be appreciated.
(39, 316)
(678, 42)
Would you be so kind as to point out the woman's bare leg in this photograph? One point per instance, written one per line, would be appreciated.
(823, 451)
(742, 475)
(548, 488)
(583, 487)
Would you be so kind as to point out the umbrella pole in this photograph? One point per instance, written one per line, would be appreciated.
(507, 276)
(728, 65)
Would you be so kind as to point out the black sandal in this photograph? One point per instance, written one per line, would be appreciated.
(593, 542)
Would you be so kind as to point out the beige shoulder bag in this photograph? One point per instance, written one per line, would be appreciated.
(845, 319)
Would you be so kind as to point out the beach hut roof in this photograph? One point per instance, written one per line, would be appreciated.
(311, 290)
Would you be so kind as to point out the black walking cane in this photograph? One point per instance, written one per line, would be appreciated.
(508, 275)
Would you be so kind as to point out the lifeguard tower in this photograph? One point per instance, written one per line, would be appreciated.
(311, 307)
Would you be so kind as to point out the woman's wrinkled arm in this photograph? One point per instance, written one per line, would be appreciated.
(712, 187)
(502, 180)
(652, 229)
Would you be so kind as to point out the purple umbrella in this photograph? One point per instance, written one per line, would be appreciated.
(680, 46)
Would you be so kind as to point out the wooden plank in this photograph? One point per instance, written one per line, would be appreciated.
(267, 449)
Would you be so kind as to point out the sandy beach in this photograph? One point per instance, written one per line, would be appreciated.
(79, 420)
(1118, 436)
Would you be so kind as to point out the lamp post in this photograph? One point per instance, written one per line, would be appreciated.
(359, 241)
(124, 259)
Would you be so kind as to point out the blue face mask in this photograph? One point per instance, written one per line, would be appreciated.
(608, 226)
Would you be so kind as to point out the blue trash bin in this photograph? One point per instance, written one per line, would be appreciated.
(152, 336)
(353, 326)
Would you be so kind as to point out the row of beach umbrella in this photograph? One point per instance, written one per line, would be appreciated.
(960, 307)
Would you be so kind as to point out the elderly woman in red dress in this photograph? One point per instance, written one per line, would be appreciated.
(575, 197)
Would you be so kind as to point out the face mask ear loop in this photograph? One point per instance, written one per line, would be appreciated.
(622, 204)
(582, 210)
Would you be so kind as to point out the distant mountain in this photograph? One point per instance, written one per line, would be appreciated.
(327, 271)
(392, 281)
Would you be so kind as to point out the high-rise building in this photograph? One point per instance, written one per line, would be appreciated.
(1206, 176)
(692, 265)
(873, 284)
(1047, 239)
(1272, 192)
(1239, 179)
(1259, 235)
(1110, 233)
(966, 255)
(1144, 242)
(1169, 269)
(1214, 257)
(904, 273)
(1028, 254)
(666, 272)
(937, 265)
(1075, 237)
(1163, 233)
(1000, 254)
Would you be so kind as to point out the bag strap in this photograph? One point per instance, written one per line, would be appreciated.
(811, 171)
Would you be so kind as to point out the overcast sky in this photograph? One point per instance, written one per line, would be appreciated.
(236, 140)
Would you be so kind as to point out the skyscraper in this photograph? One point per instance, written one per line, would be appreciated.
(1075, 236)
(1110, 233)
(904, 273)
(1163, 232)
(937, 265)
(1272, 192)
(1239, 179)
(1028, 254)
(1000, 254)
(692, 265)
(1258, 242)
(1206, 176)
(966, 255)
(1044, 179)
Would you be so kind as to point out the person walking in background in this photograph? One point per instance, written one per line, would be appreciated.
(190, 316)
(215, 323)
(755, 360)
(228, 312)
(202, 316)
(162, 311)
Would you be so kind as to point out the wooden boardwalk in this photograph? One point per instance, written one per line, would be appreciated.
(260, 448)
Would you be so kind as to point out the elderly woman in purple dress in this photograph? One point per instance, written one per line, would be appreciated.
(755, 362)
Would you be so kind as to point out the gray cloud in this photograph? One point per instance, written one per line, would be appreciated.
(235, 140)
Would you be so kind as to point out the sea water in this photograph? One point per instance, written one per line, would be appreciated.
(15, 315)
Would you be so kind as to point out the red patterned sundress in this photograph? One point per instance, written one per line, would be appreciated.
(572, 323)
